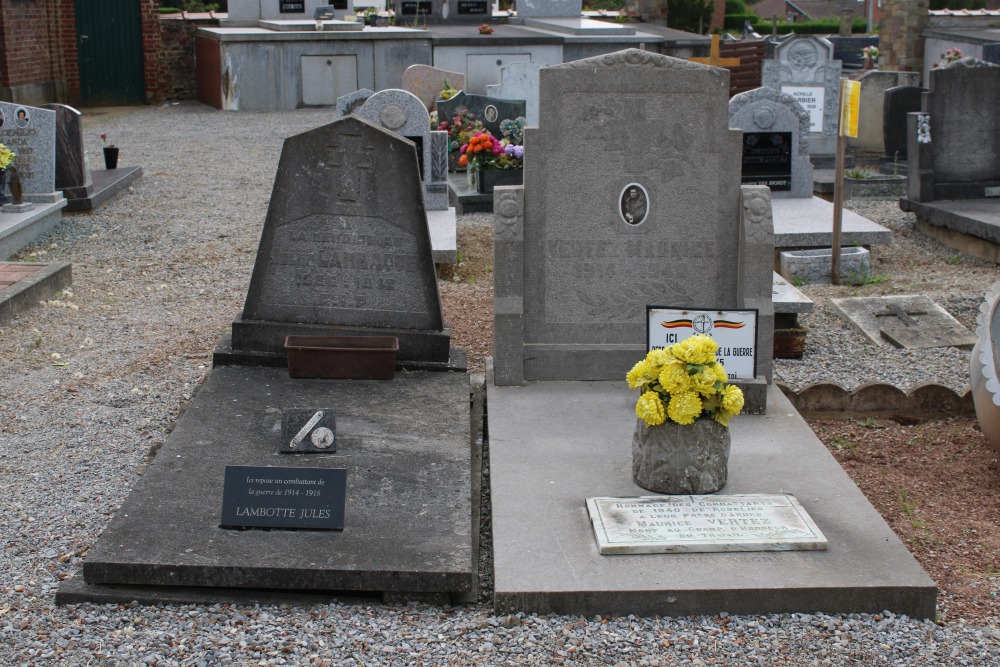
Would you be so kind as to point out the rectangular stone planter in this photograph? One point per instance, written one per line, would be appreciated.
(487, 179)
(342, 357)
(801, 267)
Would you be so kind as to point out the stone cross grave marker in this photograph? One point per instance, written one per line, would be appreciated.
(658, 217)
(804, 68)
(345, 248)
(775, 141)
(31, 133)
(912, 322)
(402, 112)
(427, 82)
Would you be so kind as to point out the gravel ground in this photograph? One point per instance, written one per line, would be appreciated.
(90, 385)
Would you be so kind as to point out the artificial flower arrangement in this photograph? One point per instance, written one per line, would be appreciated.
(870, 52)
(448, 91)
(6, 157)
(951, 55)
(486, 29)
(484, 151)
(104, 137)
(460, 128)
(683, 383)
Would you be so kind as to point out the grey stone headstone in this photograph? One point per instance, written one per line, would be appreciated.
(766, 116)
(427, 82)
(964, 106)
(72, 175)
(402, 112)
(519, 81)
(348, 103)
(874, 83)
(490, 110)
(549, 8)
(31, 134)
(657, 217)
(345, 244)
(804, 67)
(899, 101)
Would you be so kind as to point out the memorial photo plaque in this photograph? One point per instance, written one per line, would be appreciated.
(274, 497)
(703, 523)
(767, 159)
(633, 204)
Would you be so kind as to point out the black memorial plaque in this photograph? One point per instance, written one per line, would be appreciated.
(767, 159)
(421, 7)
(339, 4)
(472, 7)
(273, 497)
(291, 6)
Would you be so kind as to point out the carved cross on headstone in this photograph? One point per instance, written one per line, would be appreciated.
(714, 57)
(348, 181)
(902, 314)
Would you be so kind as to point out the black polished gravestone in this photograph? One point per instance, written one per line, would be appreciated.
(899, 101)
(767, 159)
(345, 250)
(490, 110)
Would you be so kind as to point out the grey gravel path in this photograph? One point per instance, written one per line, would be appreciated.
(90, 385)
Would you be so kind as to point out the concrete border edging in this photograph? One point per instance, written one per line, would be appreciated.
(924, 402)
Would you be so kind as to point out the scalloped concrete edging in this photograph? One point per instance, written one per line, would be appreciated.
(825, 400)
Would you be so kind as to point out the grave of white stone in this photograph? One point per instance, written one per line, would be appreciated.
(519, 81)
(580, 253)
(775, 141)
(345, 248)
(984, 367)
(804, 68)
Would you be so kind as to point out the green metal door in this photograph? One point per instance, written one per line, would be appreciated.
(109, 42)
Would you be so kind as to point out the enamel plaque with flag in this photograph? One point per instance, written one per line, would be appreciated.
(734, 330)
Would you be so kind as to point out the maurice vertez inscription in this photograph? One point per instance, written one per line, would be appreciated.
(678, 524)
(275, 497)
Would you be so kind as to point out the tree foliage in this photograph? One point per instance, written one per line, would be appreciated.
(689, 15)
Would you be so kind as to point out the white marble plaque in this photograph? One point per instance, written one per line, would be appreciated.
(681, 524)
(811, 98)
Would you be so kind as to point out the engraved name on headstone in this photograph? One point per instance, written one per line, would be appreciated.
(703, 523)
(31, 133)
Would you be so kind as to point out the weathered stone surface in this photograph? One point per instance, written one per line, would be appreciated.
(874, 84)
(427, 82)
(814, 266)
(519, 81)
(698, 523)
(775, 141)
(675, 458)
(348, 103)
(904, 320)
(31, 133)
(804, 68)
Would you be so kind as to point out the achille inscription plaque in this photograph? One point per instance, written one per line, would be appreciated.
(703, 523)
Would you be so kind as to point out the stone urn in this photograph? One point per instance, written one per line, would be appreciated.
(680, 459)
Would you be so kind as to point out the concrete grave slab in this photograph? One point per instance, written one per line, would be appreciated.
(24, 284)
(554, 444)
(408, 520)
(20, 229)
(808, 223)
(789, 299)
(907, 321)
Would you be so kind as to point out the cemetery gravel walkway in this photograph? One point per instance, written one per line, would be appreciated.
(90, 386)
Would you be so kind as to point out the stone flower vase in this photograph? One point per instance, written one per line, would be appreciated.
(675, 459)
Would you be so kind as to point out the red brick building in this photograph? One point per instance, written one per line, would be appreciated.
(83, 52)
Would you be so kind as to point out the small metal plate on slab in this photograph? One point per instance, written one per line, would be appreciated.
(703, 523)
(308, 431)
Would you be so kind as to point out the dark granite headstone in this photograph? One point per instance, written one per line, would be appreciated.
(472, 7)
(899, 101)
(491, 110)
(72, 175)
(767, 159)
(416, 7)
(345, 248)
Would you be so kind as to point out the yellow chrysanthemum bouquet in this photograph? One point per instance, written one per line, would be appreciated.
(684, 382)
(6, 157)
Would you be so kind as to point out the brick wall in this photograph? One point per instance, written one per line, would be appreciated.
(150, 12)
(28, 42)
(901, 42)
(176, 74)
